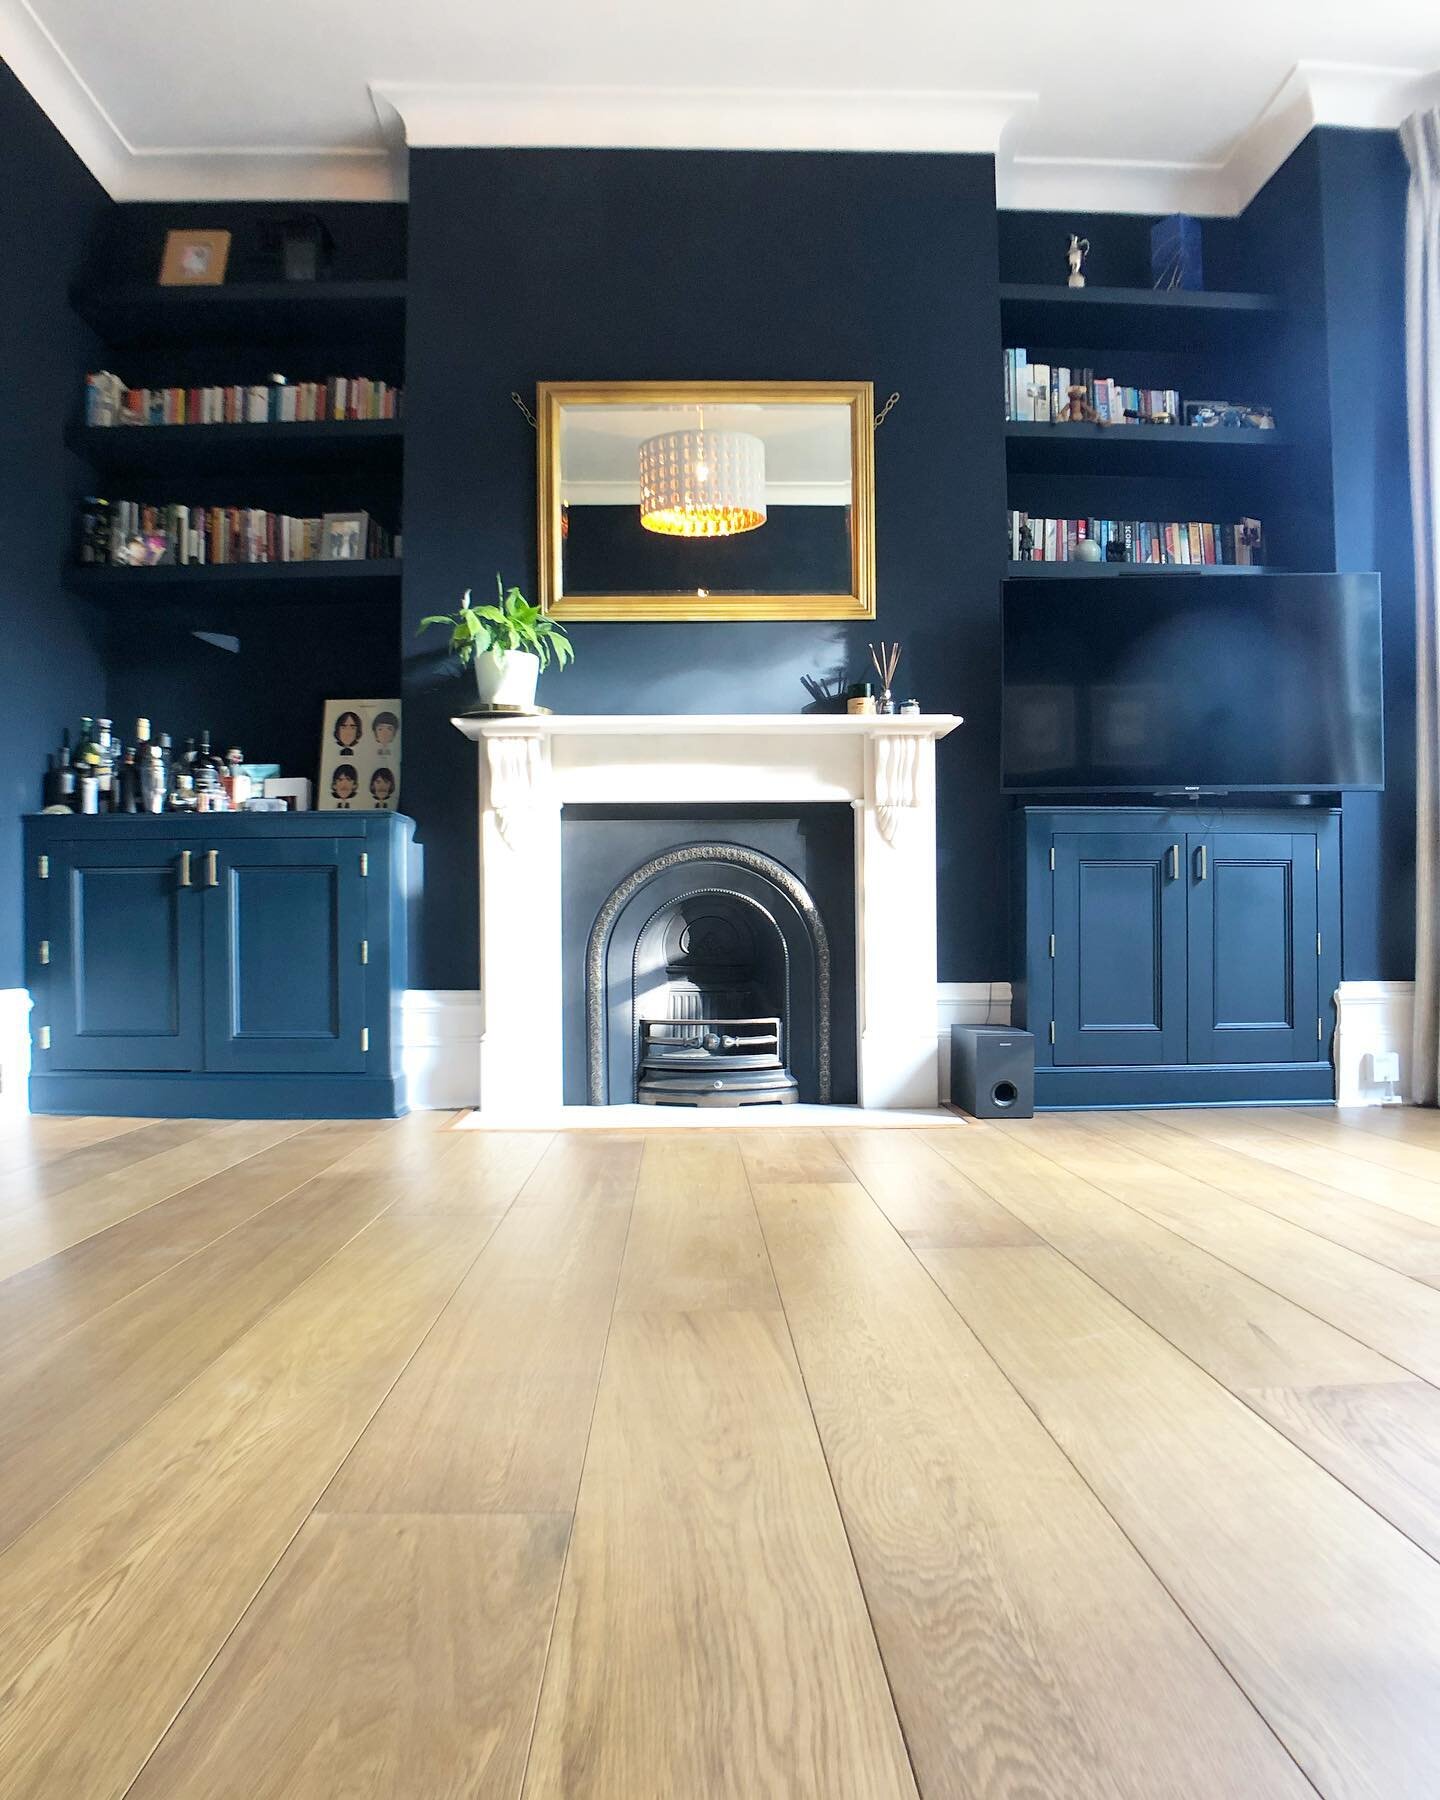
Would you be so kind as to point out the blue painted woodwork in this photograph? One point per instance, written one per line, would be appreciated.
(1119, 912)
(124, 941)
(283, 981)
(1195, 958)
(268, 986)
(1254, 962)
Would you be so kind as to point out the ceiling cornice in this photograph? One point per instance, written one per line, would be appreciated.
(1313, 93)
(427, 115)
(468, 114)
(181, 172)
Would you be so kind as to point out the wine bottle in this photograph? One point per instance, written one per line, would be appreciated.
(105, 757)
(66, 794)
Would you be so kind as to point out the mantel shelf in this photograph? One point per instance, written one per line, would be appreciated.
(693, 725)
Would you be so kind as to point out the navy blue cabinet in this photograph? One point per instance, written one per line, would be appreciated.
(1174, 957)
(237, 966)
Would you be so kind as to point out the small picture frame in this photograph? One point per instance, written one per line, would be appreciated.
(194, 258)
(344, 537)
(360, 756)
(294, 790)
(1210, 415)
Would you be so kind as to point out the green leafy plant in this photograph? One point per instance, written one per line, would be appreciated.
(511, 624)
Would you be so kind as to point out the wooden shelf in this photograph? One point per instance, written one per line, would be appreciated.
(1134, 449)
(1099, 318)
(1078, 571)
(301, 583)
(280, 313)
(256, 449)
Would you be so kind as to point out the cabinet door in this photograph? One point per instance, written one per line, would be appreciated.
(1254, 955)
(1119, 948)
(124, 979)
(284, 985)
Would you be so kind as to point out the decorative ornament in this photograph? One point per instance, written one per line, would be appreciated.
(1075, 257)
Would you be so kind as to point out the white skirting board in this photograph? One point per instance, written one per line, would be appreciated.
(14, 1051)
(442, 1029)
(1374, 1017)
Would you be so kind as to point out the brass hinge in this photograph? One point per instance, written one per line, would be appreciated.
(364, 950)
(44, 952)
(1052, 1031)
(364, 1038)
(43, 1038)
(42, 867)
(1052, 856)
(364, 862)
(1052, 943)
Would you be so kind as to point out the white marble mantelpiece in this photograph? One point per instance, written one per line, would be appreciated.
(531, 767)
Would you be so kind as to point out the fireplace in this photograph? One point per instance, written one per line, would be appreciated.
(877, 772)
(709, 981)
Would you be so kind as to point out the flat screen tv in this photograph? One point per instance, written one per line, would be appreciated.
(1157, 683)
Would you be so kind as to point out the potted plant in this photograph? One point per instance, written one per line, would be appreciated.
(509, 644)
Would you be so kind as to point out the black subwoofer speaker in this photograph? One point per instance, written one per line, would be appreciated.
(992, 1071)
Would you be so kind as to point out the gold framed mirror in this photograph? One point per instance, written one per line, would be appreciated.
(706, 500)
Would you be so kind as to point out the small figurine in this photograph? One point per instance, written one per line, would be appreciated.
(1027, 542)
(1078, 410)
(1075, 257)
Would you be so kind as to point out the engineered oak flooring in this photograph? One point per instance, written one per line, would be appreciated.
(1078, 1458)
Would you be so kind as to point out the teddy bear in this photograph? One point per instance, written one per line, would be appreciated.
(1079, 410)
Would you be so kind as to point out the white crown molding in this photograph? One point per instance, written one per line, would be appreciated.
(1313, 93)
(129, 171)
(443, 115)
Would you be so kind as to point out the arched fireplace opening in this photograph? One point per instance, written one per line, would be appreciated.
(708, 982)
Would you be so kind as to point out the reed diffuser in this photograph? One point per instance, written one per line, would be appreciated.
(886, 660)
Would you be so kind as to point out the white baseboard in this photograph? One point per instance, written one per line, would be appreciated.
(1373, 1017)
(14, 1051)
(441, 1030)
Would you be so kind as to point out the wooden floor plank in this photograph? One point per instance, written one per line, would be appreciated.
(113, 1605)
(1319, 1164)
(394, 1657)
(39, 1305)
(96, 1161)
(1391, 1313)
(53, 1222)
(694, 1239)
(1326, 1615)
(1323, 1389)
(802, 1155)
(65, 1406)
(918, 1191)
(711, 1638)
(1400, 1241)
(1409, 1154)
(1030, 1650)
(492, 1415)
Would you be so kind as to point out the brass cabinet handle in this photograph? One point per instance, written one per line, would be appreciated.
(1202, 863)
(1174, 855)
(184, 868)
(212, 868)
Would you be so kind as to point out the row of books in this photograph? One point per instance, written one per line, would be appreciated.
(1040, 393)
(1177, 545)
(108, 401)
(131, 534)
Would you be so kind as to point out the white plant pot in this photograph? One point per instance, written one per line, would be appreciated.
(507, 677)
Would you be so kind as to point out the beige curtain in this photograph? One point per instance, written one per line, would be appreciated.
(1421, 137)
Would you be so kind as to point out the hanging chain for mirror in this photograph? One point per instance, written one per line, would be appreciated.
(880, 417)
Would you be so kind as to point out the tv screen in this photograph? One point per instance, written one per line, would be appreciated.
(1146, 683)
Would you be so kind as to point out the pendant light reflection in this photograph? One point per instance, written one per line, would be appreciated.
(699, 483)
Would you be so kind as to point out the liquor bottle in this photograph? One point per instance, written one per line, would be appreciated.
(182, 797)
(87, 768)
(167, 757)
(209, 769)
(128, 784)
(237, 783)
(106, 752)
(151, 775)
(142, 742)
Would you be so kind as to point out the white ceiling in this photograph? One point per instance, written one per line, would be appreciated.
(1141, 105)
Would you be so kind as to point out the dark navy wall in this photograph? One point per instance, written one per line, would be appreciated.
(50, 671)
(1363, 183)
(571, 265)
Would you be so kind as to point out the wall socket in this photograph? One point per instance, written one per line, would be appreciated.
(1384, 1065)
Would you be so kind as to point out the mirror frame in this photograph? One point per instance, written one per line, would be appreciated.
(858, 396)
